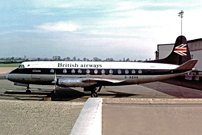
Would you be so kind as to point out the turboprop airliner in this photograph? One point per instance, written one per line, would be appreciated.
(93, 75)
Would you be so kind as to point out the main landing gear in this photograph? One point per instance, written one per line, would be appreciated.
(94, 90)
(94, 93)
(28, 91)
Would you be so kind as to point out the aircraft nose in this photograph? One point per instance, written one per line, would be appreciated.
(7, 76)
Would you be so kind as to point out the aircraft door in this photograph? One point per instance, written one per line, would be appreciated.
(36, 74)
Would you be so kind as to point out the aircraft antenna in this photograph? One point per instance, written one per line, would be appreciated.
(180, 14)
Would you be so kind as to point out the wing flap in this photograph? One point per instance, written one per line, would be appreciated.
(103, 80)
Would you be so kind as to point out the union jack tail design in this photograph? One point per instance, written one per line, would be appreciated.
(180, 53)
(181, 49)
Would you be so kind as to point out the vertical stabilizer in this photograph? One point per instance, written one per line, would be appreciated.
(180, 53)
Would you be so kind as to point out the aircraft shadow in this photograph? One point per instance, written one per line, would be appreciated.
(62, 94)
(59, 95)
(24, 93)
(66, 94)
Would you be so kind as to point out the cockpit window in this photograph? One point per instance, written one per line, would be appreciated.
(21, 66)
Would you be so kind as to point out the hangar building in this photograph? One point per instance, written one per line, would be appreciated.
(195, 47)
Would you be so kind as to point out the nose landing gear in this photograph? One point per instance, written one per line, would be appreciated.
(28, 91)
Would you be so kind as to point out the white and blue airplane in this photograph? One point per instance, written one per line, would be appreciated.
(93, 75)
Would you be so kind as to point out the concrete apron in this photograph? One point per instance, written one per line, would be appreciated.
(139, 116)
(151, 116)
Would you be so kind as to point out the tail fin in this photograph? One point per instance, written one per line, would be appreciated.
(180, 53)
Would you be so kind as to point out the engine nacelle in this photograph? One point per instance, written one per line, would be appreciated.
(74, 82)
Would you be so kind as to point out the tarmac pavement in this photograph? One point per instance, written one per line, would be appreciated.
(151, 116)
(38, 117)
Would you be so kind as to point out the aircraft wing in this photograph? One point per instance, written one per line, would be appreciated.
(85, 82)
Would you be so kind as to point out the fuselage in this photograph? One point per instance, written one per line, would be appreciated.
(93, 75)
(128, 72)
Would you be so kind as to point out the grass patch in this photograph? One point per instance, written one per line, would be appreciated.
(10, 65)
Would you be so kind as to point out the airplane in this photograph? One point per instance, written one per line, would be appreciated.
(93, 75)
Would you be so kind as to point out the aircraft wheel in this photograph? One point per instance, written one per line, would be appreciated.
(94, 94)
(28, 91)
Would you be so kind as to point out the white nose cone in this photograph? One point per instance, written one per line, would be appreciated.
(7, 77)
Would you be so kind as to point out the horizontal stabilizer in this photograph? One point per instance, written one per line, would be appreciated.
(187, 65)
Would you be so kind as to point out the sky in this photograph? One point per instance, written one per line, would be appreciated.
(94, 28)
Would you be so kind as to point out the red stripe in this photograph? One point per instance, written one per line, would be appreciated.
(182, 45)
(181, 53)
(181, 49)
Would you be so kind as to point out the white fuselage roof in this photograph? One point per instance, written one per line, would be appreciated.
(97, 65)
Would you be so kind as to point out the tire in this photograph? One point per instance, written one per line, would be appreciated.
(28, 91)
(94, 94)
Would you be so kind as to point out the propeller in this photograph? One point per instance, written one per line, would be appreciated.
(55, 81)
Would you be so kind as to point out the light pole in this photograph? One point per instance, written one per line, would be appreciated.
(180, 14)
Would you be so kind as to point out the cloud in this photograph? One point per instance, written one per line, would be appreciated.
(41, 12)
(122, 25)
(59, 26)
(48, 3)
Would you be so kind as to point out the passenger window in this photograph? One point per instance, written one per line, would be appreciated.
(52, 71)
(133, 71)
(126, 71)
(95, 71)
(103, 71)
(88, 71)
(139, 71)
(64, 71)
(79, 71)
(73, 71)
(119, 71)
(111, 71)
